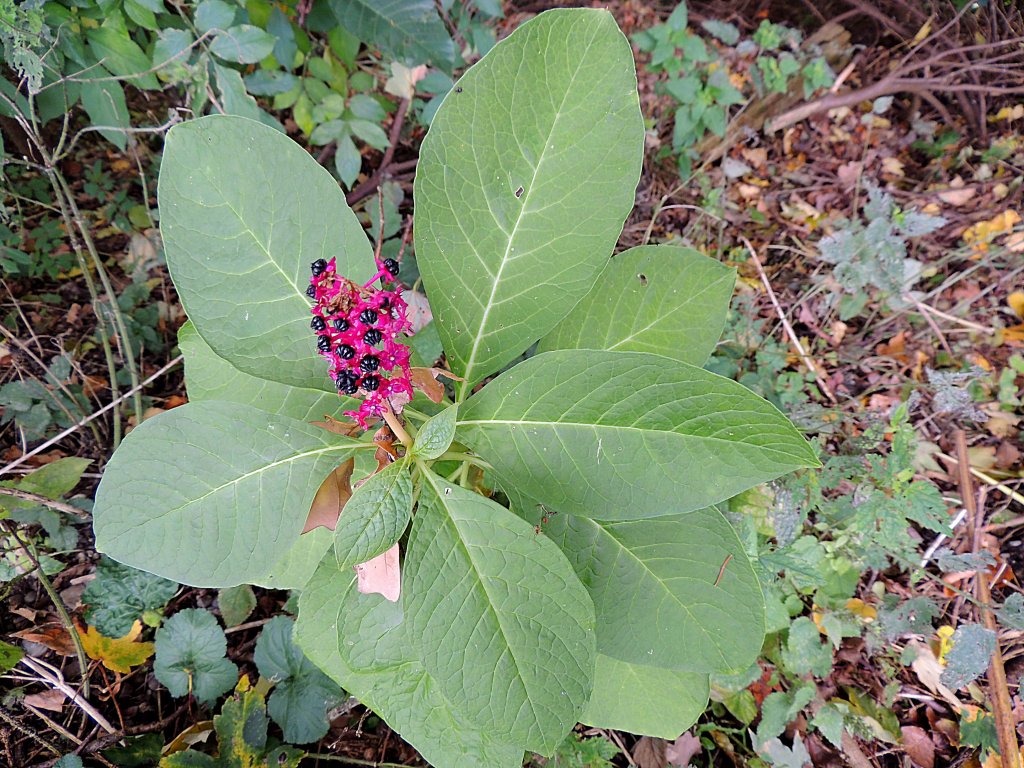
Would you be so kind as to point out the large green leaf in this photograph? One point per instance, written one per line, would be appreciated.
(653, 298)
(627, 435)
(525, 178)
(210, 493)
(500, 620)
(244, 211)
(406, 29)
(299, 563)
(376, 515)
(654, 591)
(403, 693)
(644, 700)
(208, 376)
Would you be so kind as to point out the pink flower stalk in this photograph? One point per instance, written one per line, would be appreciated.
(357, 331)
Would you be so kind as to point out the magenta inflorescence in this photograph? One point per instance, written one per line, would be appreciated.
(357, 331)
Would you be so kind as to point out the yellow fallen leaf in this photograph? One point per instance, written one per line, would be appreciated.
(116, 654)
(892, 165)
(1016, 302)
(944, 633)
(1016, 112)
(859, 608)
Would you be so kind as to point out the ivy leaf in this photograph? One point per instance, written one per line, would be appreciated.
(499, 619)
(120, 594)
(179, 500)
(190, 651)
(400, 691)
(117, 654)
(436, 435)
(968, 659)
(375, 516)
(654, 298)
(236, 603)
(627, 435)
(302, 693)
(654, 591)
(240, 256)
(644, 700)
(516, 214)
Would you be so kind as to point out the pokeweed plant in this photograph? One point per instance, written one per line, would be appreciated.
(506, 630)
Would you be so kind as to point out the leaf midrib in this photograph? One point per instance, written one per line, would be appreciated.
(432, 479)
(682, 435)
(467, 385)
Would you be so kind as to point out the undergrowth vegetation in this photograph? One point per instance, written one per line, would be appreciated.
(746, 492)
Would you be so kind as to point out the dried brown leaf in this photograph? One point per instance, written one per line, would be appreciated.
(919, 746)
(330, 498)
(683, 750)
(649, 752)
(53, 700)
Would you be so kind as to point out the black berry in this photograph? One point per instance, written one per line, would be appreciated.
(348, 382)
(391, 266)
(323, 343)
(341, 324)
(373, 336)
(370, 383)
(311, 291)
(345, 352)
(317, 324)
(318, 267)
(369, 364)
(368, 316)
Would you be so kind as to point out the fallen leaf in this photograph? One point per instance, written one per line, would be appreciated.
(1007, 454)
(681, 751)
(330, 498)
(382, 575)
(1016, 302)
(54, 637)
(929, 671)
(194, 734)
(892, 165)
(425, 380)
(861, 609)
(919, 746)
(417, 310)
(649, 752)
(52, 700)
(957, 196)
(116, 654)
(402, 82)
(848, 173)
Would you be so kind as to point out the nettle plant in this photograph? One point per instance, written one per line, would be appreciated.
(506, 630)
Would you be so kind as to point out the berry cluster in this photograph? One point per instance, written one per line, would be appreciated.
(357, 333)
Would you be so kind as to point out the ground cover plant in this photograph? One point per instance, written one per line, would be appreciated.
(507, 633)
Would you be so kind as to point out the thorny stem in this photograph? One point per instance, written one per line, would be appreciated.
(30, 551)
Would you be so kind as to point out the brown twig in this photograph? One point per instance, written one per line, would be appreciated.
(819, 374)
(1001, 705)
(383, 170)
(35, 498)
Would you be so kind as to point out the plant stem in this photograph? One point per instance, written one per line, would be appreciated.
(29, 549)
(396, 426)
(460, 456)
